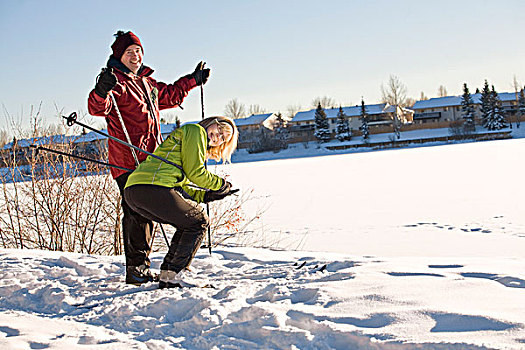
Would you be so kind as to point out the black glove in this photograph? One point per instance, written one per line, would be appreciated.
(222, 192)
(106, 81)
(201, 74)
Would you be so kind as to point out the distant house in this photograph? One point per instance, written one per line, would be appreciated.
(250, 128)
(91, 137)
(40, 141)
(255, 122)
(448, 108)
(21, 151)
(303, 123)
(22, 147)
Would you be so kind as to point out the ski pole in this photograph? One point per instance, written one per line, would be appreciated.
(38, 148)
(206, 167)
(136, 160)
(124, 128)
(72, 119)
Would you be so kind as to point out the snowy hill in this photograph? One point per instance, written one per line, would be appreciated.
(423, 249)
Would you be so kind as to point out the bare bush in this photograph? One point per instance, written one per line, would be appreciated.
(269, 140)
(325, 101)
(442, 91)
(394, 92)
(231, 220)
(51, 204)
(292, 110)
(457, 128)
(256, 109)
(4, 138)
(234, 109)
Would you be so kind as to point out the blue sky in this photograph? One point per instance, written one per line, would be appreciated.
(270, 53)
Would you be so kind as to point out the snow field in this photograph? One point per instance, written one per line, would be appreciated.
(452, 200)
(262, 300)
(423, 247)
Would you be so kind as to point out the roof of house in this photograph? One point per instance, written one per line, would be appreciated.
(254, 119)
(90, 137)
(449, 101)
(354, 111)
(43, 140)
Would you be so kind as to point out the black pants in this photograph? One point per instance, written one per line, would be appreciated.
(136, 230)
(167, 205)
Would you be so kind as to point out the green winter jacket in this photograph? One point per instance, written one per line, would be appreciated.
(185, 146)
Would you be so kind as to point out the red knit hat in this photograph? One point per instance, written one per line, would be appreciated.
(122, 41)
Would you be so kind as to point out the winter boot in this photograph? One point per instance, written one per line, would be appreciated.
(171, 279)
(138, 275)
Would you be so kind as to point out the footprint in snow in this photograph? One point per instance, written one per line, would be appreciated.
(274, 292)
(452, 266)
(9, 332)
(448, 322)
(378, 320)
(413, 274)
(507, 281)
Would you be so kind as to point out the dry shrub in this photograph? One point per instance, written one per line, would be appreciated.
(59, 206)
(234, 219)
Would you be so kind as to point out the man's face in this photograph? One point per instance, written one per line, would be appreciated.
(132, 58)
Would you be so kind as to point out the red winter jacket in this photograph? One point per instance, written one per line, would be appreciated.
(139, 99)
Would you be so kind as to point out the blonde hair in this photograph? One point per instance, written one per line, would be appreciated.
(229, 129)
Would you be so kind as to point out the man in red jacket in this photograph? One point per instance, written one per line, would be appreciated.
(139, 99)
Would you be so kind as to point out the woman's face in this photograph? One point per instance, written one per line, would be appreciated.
(216, 136)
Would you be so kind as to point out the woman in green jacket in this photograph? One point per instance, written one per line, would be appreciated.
(164, 193)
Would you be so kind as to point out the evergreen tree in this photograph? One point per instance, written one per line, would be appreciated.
(364, 122)
(522, 100)
(322, 130)
(521, 106)
(343, 130)
(264, 142)
(467, 108)
(496, 120)
(486, 104)
(279, 122)
(280, 131)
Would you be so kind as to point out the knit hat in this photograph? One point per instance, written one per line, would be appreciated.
(122, 41)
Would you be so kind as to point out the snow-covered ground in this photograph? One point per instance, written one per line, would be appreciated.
(424, 249)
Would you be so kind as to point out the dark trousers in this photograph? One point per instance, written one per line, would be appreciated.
(136, 230)
(168, 206)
